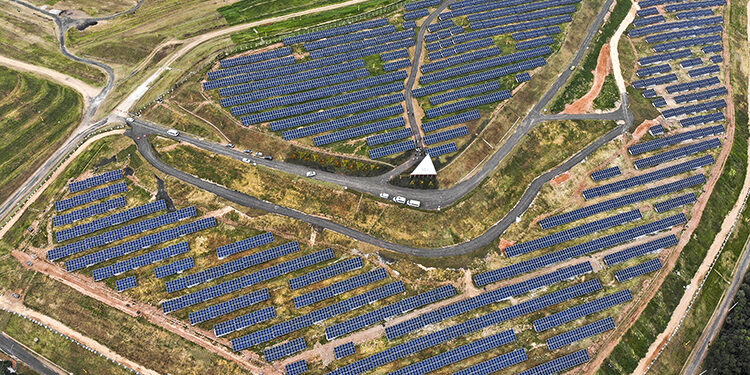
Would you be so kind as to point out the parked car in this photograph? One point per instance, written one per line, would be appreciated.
(385, 195)
(268, 157)
(245, 160)
(413, 203)
(310, 174)
(248, 152)
(173, 132)
(399, 199)
(229, 145)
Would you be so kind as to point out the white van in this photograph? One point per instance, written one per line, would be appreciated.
(399, 199)
(413, 203)
(173, 132)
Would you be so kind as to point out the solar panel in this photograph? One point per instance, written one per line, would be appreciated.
(246, 244)
(394, 55)
(703, 119)
(451, 120)
(641, 249)
(126, 283)
(656, 130)
(647, 12)
(693, 85)
(416, 14)
(464, 92)
(286, 349)
(392, 149)
(344, 350)
(712, 49)
(234, 304)
(652, 145)
(468, 103)
(604, 174)
(618, 202)
(331, 113)
(389, 137)
(296, 368)
(359, 131)
(140, 261)
(559, 364)
(293, 83)
(244, 321)
(585, 248)
(325, 273)
(486, 299)
(694, 5)
(91, 196)
(246, 281)
(359, 35)
(695, 13)
(638, 270)
(495, 364)
(89, 211)
(335, 289)
(642, 31)
(677, 153)
(377, 114)
(341, 30)
(174, 268)
(584, 309)
(441, 150)
(97, 180)
(654, 81)
(263, 65)
(675, 202)
(443, 136)
(523, 77)
(653, 59)
(526, 16)
(255, 57)
(704, 71)
(474, 66)
(578, 334)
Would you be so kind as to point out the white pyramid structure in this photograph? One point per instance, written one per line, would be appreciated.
(425, 167)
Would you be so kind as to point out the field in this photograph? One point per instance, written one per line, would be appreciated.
(30, 38)
(609, 94)
(93, 8)
(35, 114)
(249, 10)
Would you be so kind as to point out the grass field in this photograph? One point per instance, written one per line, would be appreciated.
(36, 115)
(27, 37)
(251, 10)
(609, 95)
(93, 8)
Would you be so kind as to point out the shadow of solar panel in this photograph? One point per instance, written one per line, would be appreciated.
(244, 321)
(91, 196)
(335, 289)
(486, 298)
(584, 309)
(559, 364)
(97, 180)
(140, 261)
(174, 268)
(345, 350)
(223, 308)
(638, 270)
(246, 244)
(126, 283)
(296, 368)
(578, 334)
(605, 174)
(89, 211)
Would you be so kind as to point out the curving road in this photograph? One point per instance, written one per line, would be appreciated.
(11, 347)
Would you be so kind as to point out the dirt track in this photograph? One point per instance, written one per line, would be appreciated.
(86, 90)
(603, 67)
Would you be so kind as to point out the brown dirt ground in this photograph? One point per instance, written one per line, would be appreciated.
(603, 67)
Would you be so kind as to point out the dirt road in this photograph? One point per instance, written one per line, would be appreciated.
(603, 67)
(615, 41)
(86, 90)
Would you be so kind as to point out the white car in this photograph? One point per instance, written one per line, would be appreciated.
(384, 195)
(399, 199)
(310, 174)
(413, 203)
(246, 160)
(173, 132)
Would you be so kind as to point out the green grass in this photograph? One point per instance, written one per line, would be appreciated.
(609, 94)
(36, 115)
(581, 80)
(252, 10)
(641, 107)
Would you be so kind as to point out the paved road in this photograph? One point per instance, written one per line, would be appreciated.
(17, 351)
(713, 327)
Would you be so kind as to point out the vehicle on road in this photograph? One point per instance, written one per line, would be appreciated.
(248, 152)
(385, 195)
(413, 203)
(229, 145)
(310, 174)
(268, 157)
(173, 132)
(258, 153)
(245, 160)
(399, 199)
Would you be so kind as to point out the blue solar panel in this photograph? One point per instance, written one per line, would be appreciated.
(421, 4)
(223, 308)
(460, 59)
(712, 49)
(641, 249)
(445, 135)
(703, 71)
(605, 174)
(325, 273)
(416, 14)
(330, 113)
(246, 281)
(394, 55)
(468, 103)
(89, 211)
(653, 69)
(389, 137)
(695, 13)
(683, 43)
(694, 5)
(343, 122)
(693, 85)
(286, 349)
(638, 270)
(675, 202)
(362, 48)
(647, 12)
(255, 57)
(91, 196)
(654, 81)
(450, 120)
(486, 299)
(521, 35)
(140, 261)
(526, 16)
(392, 149)
(520, 10)
(572, 233)
(523, 77)
(320, 315)
(493, 318)
(341, 30)
(344, 350)
(649, 93)
(653, 59)
(578, 334)
(460, 48)
(229, 268)
(359, 35)
(703, 119)
(263, 65)
(401, 307)
(441, 150)
(559, 364)
(126, 283)
(641, 31)
(410, 25)
(677, 153)
(656, 38)
(638, 22)
(293, 83)
(495, 364)
(584, 309)
(359, 131)
(656, 130)
(335, 289)
(296, 368)
(717, 59)
(97, 180)
(691, 62)
(674, 139)
(244, 321)
(478, 65)
(246, 244)
(174, 268)
(464, 92)
(585, 248)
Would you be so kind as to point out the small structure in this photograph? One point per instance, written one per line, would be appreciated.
(425, 168)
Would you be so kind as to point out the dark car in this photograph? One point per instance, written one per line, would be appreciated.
(268, 157)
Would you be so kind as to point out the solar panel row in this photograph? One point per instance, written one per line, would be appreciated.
(246, 244)
(268, 64)
(484, 64)
(446, 135)
(360, 131)
(683, 43)
(421, 4)
(584, 309)
(531, 43)
(81, 199)
(703, 71)
(392, 149)
(511, 10)
(655, 144)
(285, 349)
(677, 153)
(464, 92)
(641, 249)
(473, 102)
(656, 38)
(367, 46)
(527, 16)
(641, 31)
(126, 283)
(223, 308)
(307, 37)
(638, 270)
(656, 130)
(340, 287)
(434, 27)
(416, 14)
(712, 49)
(359, 35)
(89, 211)
(578, 334)
(174, 268)
(460, 59)
(646, 12)
(296, 368)
(691, 62)
(441, 150)
(389, 137)
(693, 85)
(97, 180)
(694, 5)
(703, 119)
(330, 113)
(495, 364)
(522, 35)
(659, 102)
(396, 65)
(675, 202)
(344, 122)
(394, 55)
(255, 57)
(344, 350)
(152, 257)
(653, 59)
(244, 321)
(450, 120)
(654, 81)
(559, 364)
(523, 77)
(325, 273)
(604, 174)
(653, 69)
(460, 48)
(638, 22)
(695, 13)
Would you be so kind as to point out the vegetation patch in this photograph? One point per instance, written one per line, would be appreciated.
(641, 107)
(609, 95)
(252, 10)
(334, 163)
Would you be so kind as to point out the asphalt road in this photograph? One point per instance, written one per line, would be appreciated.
(713, 327)
(15, 350)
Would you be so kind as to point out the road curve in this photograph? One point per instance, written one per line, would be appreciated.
(11, 347)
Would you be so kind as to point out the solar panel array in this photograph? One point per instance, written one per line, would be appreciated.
(712, 49)
(126, 283)
(694, 5)
(394, 55)
(320, 315)
(359, 131)
(653, 69)
(343, 122)
(119, 233)
(703, 71)
(81, 199)
(559, 364)
(89, 211)
(141, 243)
(654, 81)
(605, 174)
(647, 12)
(441, 150)
(464, 92)
(401, 307)
(653, 59)
(648, 177)
(699, 41)
(246, 244)
(677, 153)
(362, 48)
(340, 287)
(695, 108)
(296, 368)
(695, 13)
(174, 268)
(286, 349)
(460, 48)
(578, 334)
(229, 268)
(244, 321)
(330, 113)
(645, 21)
(656, 38)
(421, 4)
(703, 119)
(484, 64)
(572, 233)
(392, 149)
(486, 299)
(359, 35)
(584, 309)
(642, 31)
(460, 59)
(152, 257)
(625, 200)
(578, 250)
(97, 180)
(441, 336)
(445, 135)
(675, 202)
(249, 59)
(523, 7)
(693, 85)
(528, 16)
(263, 65)
(655, 144)
(460, 353)
(413, 15)
(234, 304)
(638, 270)
(656, 130)
(389, 137)
(396, 65)
(246, 281)
(451, 120)
(325, 273)
(344, 350)
(335, 31)
(468, 103)
(691, 62)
